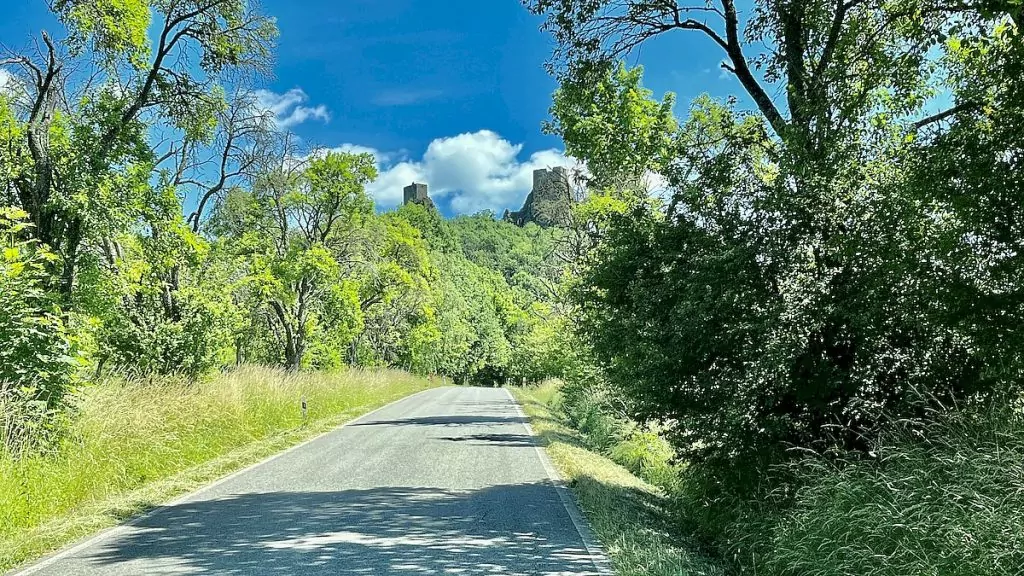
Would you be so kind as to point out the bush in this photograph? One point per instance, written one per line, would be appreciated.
(754, 318)
(588, 408)
(164, 306)
(649, 456)
(38, 356)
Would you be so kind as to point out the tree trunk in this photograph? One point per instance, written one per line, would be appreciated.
(70, 259)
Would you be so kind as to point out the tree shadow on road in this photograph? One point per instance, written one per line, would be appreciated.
(494, 439)
(471, 420)
(510, 530)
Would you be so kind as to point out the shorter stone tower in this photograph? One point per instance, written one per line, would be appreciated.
(417, 193)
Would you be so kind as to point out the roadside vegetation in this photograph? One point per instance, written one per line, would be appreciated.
(632, 518)
(941, 497)
(798, 310)
(795, 313)
(156, 220)
(168, 250)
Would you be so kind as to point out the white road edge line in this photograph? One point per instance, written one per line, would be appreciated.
(120, 528)
(594, 550)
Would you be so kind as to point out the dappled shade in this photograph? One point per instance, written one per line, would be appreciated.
(500, 530)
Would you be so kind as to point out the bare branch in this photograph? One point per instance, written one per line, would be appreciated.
(743, 73)
(964, 107)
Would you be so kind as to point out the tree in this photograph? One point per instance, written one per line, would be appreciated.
(770, 303)
(622, 147)
(84, 160)
(164, 301)
(302, 229)
(394, 286)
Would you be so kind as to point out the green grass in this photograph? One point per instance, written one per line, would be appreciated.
(938, 498)
(134, 445)
(631, 518)
(944, 499)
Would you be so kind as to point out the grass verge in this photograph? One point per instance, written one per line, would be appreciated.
(941, 496)
(630, 517)
(134, 445)
(944, 497)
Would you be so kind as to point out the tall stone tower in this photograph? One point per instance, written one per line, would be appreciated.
(550, 201)
(417, 194)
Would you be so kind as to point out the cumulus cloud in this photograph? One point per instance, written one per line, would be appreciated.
(6, 80)
(289, 109)
(473, 171)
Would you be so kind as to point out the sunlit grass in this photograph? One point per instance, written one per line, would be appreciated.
(135, 444)
(630, 517)
(940, 497)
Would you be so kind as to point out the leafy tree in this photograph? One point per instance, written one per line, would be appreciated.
(624, 146)
(302, 229)
(164, 303)
(38, 359)
(394, 285)
(83, 162)
(473, 345)
(771, 303)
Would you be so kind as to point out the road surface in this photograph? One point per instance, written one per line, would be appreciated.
(448, 481)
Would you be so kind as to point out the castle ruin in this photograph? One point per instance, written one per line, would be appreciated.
(550, 201)
(417, 194)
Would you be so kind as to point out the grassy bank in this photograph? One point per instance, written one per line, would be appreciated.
(136, 444)
(945, 498)
(942, 498)
(632, 519)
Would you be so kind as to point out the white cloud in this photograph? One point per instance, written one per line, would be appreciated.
(474, 171)
(6, 79)
(14, 89)
(288, 108)
(406, 97)
(10, 84)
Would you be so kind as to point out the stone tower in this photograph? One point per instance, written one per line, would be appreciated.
(549, 202)
(417, 193)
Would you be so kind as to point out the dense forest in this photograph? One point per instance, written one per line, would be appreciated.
(807, 334)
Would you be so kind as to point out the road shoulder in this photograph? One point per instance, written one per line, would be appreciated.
(579, 521)
(629, 517)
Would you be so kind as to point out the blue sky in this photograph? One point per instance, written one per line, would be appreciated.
(451, 93)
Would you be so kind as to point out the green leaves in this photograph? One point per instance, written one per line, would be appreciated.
(303, 232)
(609, 118)
(111, 28)
(38, 358)
(805, 287)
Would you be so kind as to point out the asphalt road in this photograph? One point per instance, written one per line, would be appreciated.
(448, 481)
